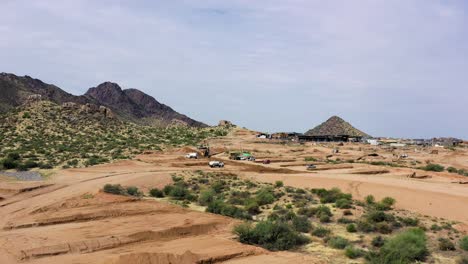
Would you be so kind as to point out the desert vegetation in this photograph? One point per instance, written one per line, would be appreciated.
(45, 135)
(279, 217)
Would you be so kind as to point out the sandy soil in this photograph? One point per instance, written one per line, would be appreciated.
(67, 219)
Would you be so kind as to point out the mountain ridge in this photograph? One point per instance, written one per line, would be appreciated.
(129, 104)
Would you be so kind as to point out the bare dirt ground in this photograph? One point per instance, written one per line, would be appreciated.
(67, 219)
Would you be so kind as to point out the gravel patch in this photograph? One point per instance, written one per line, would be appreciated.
(23, 175)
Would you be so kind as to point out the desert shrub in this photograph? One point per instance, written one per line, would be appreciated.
(279, 184)
(385, 204)
(344, 220)
(220, 207)
(383, 228)
(114, 189)
(301, 224)
(378, 241)
(365, 226)
(217, 186)
(433, 167)
(321, 231)
(325, 219)
(445, 244)
(206, 197)
(310, 159)
(353, 252)
(378, 216)
(322, 210)
(408, 221)
(179, 192)
(332, 195)
(265, 196)
(133, 191)
(9, 163)
(13, 156)
(406, 247)
(270, 235)
(351, 228)
(370, 200)
(343, 203)
(167, 189)
(155, 192)
(435, 227)
(452, 170)
(464, 243)
(338, 242)
(307, 211)
(252, 206)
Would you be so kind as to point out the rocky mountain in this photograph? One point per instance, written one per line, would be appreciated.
(129, 105)
(336, 126)
(136, 106)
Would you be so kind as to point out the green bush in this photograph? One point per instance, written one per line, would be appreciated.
(133, 191)
(220, 207)
(378, 241)
(434, 167)
(445, 244)
(464, 243)
(9, 163)
(155, 192)
(343, 203)
(325, 219)
(321, 231)
(322, 211)
(353, 252)
(385, 204)
(279, 184)
(167, 189)
(370, 200)
(270, 235)
(338, 242)
(206, 197)
(114, 189)
(408, 221)
(331, 196)
(351, 228)
(452, 170)
(265, 196)
(252, 206)
(301, 224)
(406, 247)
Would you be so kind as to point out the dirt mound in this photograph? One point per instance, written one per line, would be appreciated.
(185, 150)
(84, 200)
(102, 243)
(157, 258)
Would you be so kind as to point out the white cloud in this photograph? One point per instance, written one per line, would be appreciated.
(301, 60)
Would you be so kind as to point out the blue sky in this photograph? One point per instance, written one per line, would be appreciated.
(391, 68)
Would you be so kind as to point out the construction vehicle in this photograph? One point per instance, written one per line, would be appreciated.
(216, 164)
(204, 149)
(192, 155)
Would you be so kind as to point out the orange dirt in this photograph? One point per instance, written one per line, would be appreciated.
(66, 219)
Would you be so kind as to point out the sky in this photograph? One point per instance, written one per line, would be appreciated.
(394, 68)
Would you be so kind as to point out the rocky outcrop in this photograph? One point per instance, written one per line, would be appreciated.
(225, 123)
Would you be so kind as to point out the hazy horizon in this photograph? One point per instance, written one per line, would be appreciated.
(395, 69)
